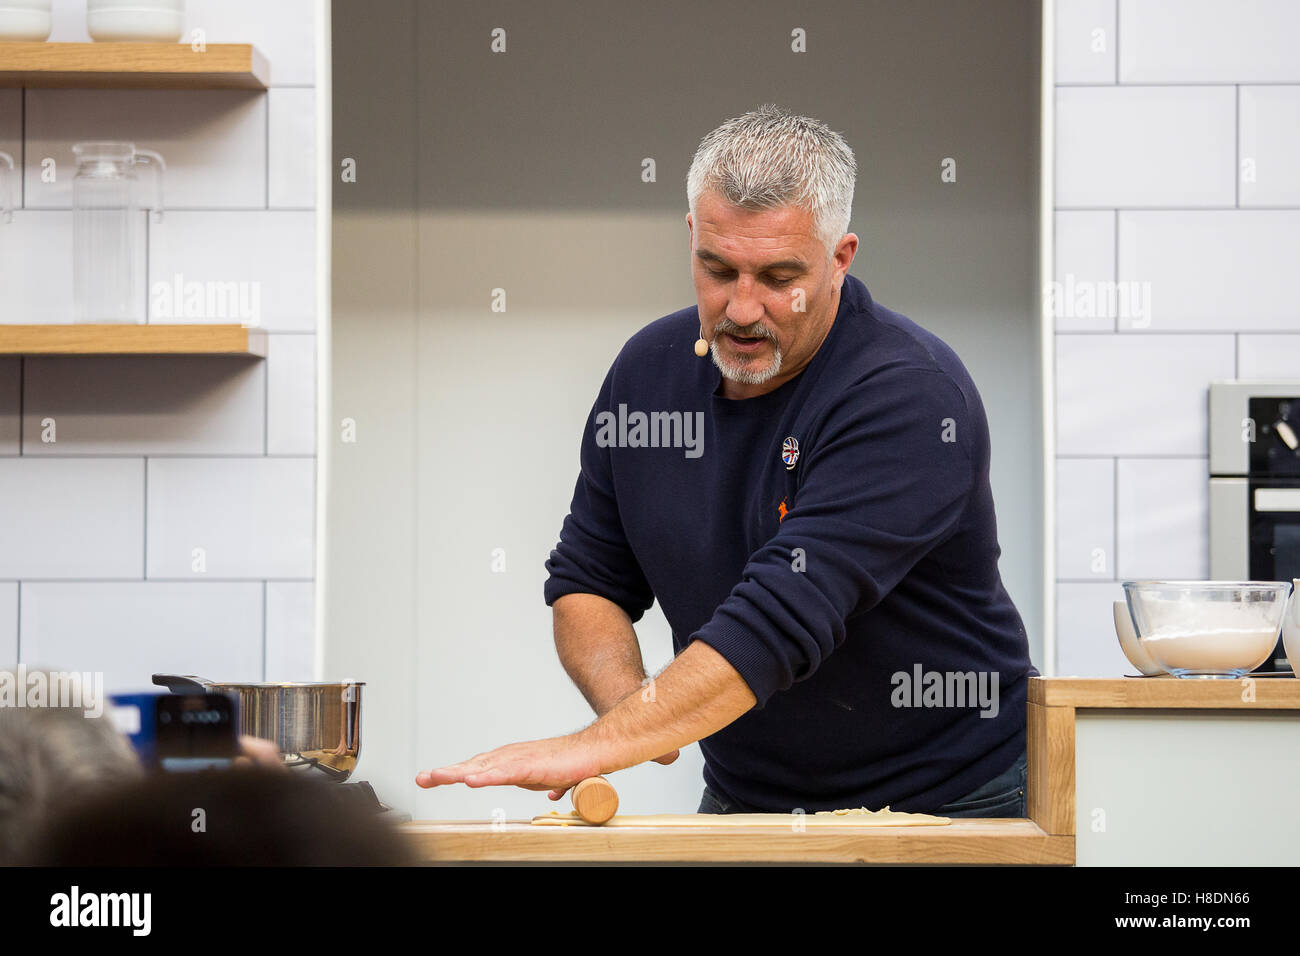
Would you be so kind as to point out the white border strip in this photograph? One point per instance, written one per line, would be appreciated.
(1047, 328)
(324, 239)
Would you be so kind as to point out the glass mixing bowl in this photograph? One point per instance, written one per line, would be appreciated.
(1208, 628)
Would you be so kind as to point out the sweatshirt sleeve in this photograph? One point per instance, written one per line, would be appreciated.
(593, 556)
(885, 480)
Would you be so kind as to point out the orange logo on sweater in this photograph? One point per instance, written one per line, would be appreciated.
(782, 511)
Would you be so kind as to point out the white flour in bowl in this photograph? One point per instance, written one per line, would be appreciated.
(1209, 636)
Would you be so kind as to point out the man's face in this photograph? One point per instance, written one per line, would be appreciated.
(767, 294)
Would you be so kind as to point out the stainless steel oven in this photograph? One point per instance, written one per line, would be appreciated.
(1255, 485)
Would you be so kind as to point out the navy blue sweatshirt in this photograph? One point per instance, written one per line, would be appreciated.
(834, 539)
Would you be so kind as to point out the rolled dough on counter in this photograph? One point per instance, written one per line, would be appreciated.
(861, 817)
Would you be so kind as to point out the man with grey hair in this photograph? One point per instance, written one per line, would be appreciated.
(828, 562)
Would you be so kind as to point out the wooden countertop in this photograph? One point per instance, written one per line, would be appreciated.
(1247, 693)
(1046, 838)
(980, 841)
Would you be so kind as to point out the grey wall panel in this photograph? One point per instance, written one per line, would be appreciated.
(369, 627)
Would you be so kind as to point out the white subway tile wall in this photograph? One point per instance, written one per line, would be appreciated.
(1230, 270)
(1087, 645)
(1085, 259)
(1209, 41)
(1145, 146)
(72, 517)
(132, 630)
(1270, 145)
(1176, 186)
(284, 30)
(291, 182)
(1085, 41)
(1162, 505)
(212, 141)
(145, 405)
(1130, 394)
(291, 395)
(114, 470)
(8, 622)
(250, 267)
(1268, 356)
(289, 615)
(1085, 518)
(36, 258)
(247, 518)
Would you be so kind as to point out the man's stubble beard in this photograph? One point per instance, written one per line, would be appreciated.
(744, 375)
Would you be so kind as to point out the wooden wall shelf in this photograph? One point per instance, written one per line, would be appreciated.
(221, 66)
(104, 339)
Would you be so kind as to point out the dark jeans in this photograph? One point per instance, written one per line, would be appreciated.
(1003, 796)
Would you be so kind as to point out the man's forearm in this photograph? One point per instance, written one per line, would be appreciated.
(698, 694)
(598, 649)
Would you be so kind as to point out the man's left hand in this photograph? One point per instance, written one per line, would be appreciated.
(554, 764)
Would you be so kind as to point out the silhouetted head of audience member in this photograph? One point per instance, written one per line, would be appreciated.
(237, 817)
(51, 754)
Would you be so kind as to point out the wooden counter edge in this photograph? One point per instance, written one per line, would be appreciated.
(1049, 778)
(1246, 693)
(980, 841)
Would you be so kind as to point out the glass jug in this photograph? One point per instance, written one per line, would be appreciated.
(108, 267)
(8, 176)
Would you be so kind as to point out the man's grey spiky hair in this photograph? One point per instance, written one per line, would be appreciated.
(770, 158)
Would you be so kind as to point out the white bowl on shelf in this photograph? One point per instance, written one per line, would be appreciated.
(30, 20)
(1128, 642)
(126, 21)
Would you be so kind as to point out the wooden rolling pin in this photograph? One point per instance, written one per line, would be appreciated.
(595, 800)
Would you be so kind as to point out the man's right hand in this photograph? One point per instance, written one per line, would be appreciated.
(666, 759)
